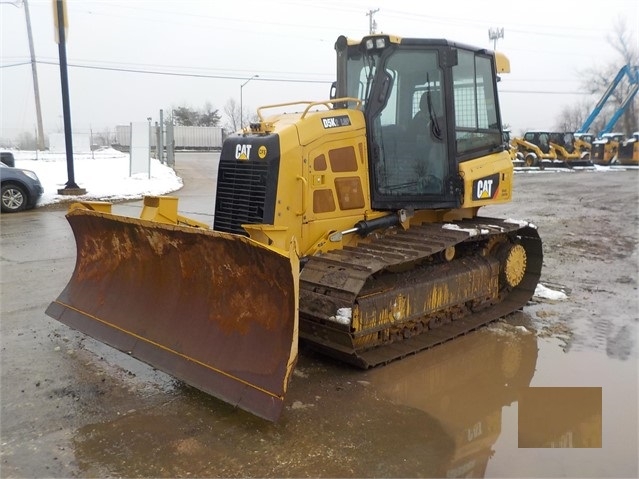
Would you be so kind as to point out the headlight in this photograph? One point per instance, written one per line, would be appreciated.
(31, 175)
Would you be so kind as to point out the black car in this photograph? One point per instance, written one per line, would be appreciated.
(21, 189)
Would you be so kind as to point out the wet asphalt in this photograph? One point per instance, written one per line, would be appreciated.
(73, 407)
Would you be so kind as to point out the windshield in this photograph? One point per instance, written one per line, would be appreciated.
(407, 120)
(428, 105)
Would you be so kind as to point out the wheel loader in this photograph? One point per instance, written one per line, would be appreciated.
(351, 224)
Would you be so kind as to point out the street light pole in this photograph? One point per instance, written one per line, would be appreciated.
(241, 104)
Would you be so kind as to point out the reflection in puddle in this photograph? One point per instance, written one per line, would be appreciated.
(349, 433)
(464, 384)
(435, 414)
(560, 417)
(451, 411)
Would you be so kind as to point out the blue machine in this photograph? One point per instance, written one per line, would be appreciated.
(632, 72)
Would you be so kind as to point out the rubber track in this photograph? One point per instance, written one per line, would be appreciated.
(339, 276)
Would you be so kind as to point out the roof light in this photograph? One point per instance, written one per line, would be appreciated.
(375, 43)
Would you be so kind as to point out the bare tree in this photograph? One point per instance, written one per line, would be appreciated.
(626, 45)
(27, 141)
(232, 112)
(623, 42)
(573, 116)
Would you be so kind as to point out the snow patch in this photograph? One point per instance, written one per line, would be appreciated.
(343, 316)
(542, 292)
(105, 174)
(470, 231)
(503, 328)
(520, 223)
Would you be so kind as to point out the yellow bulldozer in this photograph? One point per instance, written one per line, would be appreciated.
(351, 224)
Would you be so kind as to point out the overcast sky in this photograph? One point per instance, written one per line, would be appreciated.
(203, 50)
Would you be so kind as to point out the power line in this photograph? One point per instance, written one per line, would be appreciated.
(261, 78)
(16, 64)
(566, 31)
(178, 74)
(541, 92)
(184, 68)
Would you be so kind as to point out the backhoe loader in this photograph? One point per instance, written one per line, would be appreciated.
(351, 224)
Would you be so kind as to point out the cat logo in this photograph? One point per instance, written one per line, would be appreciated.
(242, 152)
(261, 152)
(486, 188)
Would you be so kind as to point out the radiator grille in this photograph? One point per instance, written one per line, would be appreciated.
(241, 195)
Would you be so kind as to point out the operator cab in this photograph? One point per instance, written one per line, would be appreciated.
(428, 105)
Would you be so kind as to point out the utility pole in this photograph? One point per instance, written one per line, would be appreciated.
(372, 24)
(36, 89)
(494, 34)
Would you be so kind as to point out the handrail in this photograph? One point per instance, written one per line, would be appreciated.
(304, 193)
(310, 104)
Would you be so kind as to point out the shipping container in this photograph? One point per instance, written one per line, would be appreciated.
(186, 137)
(197, 137)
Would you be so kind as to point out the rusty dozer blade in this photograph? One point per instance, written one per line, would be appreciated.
(215, 310)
